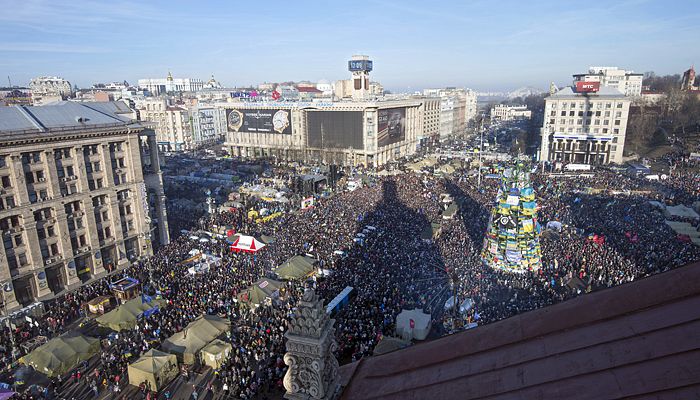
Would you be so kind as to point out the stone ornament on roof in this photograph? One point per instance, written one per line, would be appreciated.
(313, 369)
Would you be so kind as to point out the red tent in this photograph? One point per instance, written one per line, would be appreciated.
(247, 244)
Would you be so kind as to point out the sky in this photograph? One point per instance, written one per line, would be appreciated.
(485, 45)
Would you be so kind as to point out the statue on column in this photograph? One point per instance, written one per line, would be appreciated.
(313, 369)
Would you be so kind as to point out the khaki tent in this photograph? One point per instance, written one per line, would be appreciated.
(155, 367)
(200, 332)
(296, 267)
(450, 212)
(126, 315)
(60, 355)
(263, 289)
(215, 353)
(267, 239)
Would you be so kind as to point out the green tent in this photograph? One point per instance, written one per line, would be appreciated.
(450, 212)
(267, 239)
(200, 332)
(297, 267)
(60, 355)
(431, 232)
(256, 293)
(215, 353)
(155, 367)
(126, 315)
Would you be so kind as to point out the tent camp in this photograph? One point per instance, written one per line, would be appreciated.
(260, 290)
(215, 353)
(126, 315)
(155, 367)
(60, 355)
(247, 244)
(413, 324)
(296, 267)
(200, 332)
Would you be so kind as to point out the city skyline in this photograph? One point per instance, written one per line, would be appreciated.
(413, 46)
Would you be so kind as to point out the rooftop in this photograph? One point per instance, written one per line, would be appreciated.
(638, 340)
(605, 91)
(62, 116)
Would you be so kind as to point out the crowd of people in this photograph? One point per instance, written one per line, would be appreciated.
(393, 267)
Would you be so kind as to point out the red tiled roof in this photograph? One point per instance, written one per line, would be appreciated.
(308, 89)
(638, 340)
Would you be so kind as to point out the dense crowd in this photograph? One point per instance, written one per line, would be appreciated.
(393, 267)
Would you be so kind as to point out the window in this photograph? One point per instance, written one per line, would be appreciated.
(580, 113)
(616, 131)
(614, 139)
(605, 130)
(552, 120)
(606, 122)
(596, 122)
(579, 121)
(562, 121)
(563, 113)
(617, 122)
(6, 182)
(597, 113)
(618, 114)
(572, 113)
(29, 177)
(608, 105)
(619, 105)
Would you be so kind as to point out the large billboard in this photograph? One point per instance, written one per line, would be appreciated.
(335, 129)
(391, 126)
(264, 120)
(587, 87)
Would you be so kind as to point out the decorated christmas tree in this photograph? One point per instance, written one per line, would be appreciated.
(512, 237)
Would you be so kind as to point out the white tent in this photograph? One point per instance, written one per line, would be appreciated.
(413, 324)
(247, 244)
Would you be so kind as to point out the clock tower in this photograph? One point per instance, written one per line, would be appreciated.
(360, 66)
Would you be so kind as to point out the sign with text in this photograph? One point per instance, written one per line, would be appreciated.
(587, 87)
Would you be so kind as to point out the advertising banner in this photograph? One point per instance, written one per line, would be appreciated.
(273, 120)
(391, 126)
(585, 87)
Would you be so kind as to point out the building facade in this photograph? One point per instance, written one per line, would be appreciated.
(81, 195)
(431, 120)
(457, 109)
(158, 86)
(688, 80)
(172, 123)
(504, 112)
(370, 133)
(585, 126)
(49, 89)
(208, 124)
(627, 82)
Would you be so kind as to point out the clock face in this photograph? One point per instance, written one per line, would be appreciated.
(280, 121)
(235, 120)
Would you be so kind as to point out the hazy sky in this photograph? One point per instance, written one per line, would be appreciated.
(494, 45)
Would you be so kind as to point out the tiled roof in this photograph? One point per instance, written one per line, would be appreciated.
(640, 340)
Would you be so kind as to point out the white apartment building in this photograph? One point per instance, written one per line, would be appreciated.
(158, 86)
(470, 108)
(172, 123)
(431, 120)
(453, 109)
(585, 127)
(49, 89)
(504, 112)
(208, 124)
(627, 82)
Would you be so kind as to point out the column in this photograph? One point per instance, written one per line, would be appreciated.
(66, 248)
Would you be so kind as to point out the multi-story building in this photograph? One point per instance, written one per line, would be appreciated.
(453, 110)
(470, 108)
(431, 120)
(172, 123)
(370, 133)
(158, 86)
(49, 89)
(208, 124)
(505, 112)
(688, 79)
(585, 124)
(627, 82)
(81, 195)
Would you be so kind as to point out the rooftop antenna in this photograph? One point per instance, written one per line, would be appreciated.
(9, 81)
